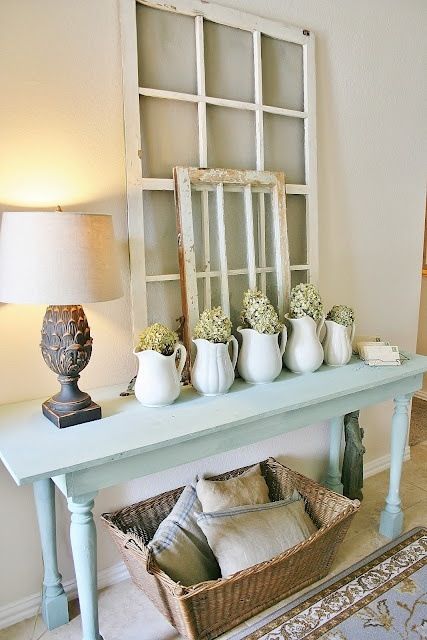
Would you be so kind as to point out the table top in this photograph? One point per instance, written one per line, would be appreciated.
(31, 447)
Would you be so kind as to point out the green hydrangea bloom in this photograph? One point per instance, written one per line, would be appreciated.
(158, 338)
(341, 314)
(258, 313)
(306, 301)
(213, 325)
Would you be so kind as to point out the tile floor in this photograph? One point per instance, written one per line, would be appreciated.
(125, 614)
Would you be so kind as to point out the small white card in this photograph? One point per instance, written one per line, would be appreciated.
(362, 345)
(380, 354)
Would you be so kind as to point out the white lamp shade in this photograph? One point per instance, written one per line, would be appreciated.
(58, 258)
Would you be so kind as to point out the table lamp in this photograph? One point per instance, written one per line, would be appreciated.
(61, 259)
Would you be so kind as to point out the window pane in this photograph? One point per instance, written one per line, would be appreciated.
(215, 293)
(237, 285)
(231, 138)
(166, 50)
(161, 254)
(198, 231)
(297, 231)
(284, 146)
(228, 62)
(282, 74)
(235, 230)
(164, 303)
(272, 290)
(299, 277)
(169, 136)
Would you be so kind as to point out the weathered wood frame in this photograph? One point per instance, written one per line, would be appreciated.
(137, 184)
(205, 180)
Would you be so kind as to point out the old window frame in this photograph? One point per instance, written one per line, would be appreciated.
(135, 182)
(246, 182)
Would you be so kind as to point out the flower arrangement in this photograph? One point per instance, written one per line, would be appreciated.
(306, 301)
(213, 325)
(158, 338)
(341, 314)
(258, 313)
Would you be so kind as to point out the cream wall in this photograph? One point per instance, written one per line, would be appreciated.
(62, 142)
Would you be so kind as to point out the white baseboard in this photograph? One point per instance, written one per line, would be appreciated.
(19, 610)
(422, 395)
(383, 463)
(28, 607)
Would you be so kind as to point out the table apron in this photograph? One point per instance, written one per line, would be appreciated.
(115, 472)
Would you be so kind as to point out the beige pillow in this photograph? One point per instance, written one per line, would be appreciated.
(244, 536)
(249, 488)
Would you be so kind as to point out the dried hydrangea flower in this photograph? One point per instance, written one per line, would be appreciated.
(258, 313)
(306, 301)
(213, 325)
(341, 314)
(158, 338)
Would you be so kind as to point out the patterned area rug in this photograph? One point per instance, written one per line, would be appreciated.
(418, 431)
(383, 597)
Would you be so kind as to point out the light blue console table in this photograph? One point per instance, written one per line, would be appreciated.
(132, 441)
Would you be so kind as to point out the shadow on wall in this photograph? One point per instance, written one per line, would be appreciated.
(333, 194)
(422, 325)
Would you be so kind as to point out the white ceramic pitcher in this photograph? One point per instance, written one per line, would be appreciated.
(158, 381)
(337, 343)
(304, 352)
(213, 369)
(260, 358)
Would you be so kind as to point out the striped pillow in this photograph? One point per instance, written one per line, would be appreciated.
(180, 547)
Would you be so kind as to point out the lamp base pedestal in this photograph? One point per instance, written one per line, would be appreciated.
(66, 347)
(63, 419)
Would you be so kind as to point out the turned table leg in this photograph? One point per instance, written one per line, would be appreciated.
(54, 601)
(391, 521)
(83, 543)
(333, 478)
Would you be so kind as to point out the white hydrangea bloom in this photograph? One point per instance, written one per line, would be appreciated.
(341, 314)
(258, 313)
(306, 301)
(213, 325)
(158, 338)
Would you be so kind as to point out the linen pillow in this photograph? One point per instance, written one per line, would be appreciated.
(180, 547)
(248, 488)
(243, 536)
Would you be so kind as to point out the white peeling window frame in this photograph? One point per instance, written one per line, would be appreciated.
(217, 180)
(137, 184)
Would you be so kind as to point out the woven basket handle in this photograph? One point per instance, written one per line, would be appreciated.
(131, 543)
(150, 563)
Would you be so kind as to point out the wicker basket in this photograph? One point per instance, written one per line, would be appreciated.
(206, 610)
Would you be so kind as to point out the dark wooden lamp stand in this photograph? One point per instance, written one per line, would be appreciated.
(66, 346)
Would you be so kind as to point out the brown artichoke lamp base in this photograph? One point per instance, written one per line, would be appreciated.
(66, 346)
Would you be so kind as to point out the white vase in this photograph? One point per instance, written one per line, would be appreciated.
(213, 369)
(304, 352)
(337, 344)
(158, 382)
(260, 357)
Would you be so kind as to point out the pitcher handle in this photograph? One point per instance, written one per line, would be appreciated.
(235, 351)
(182, 357)
(320, 326)
(353, 331)
(284, 334)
